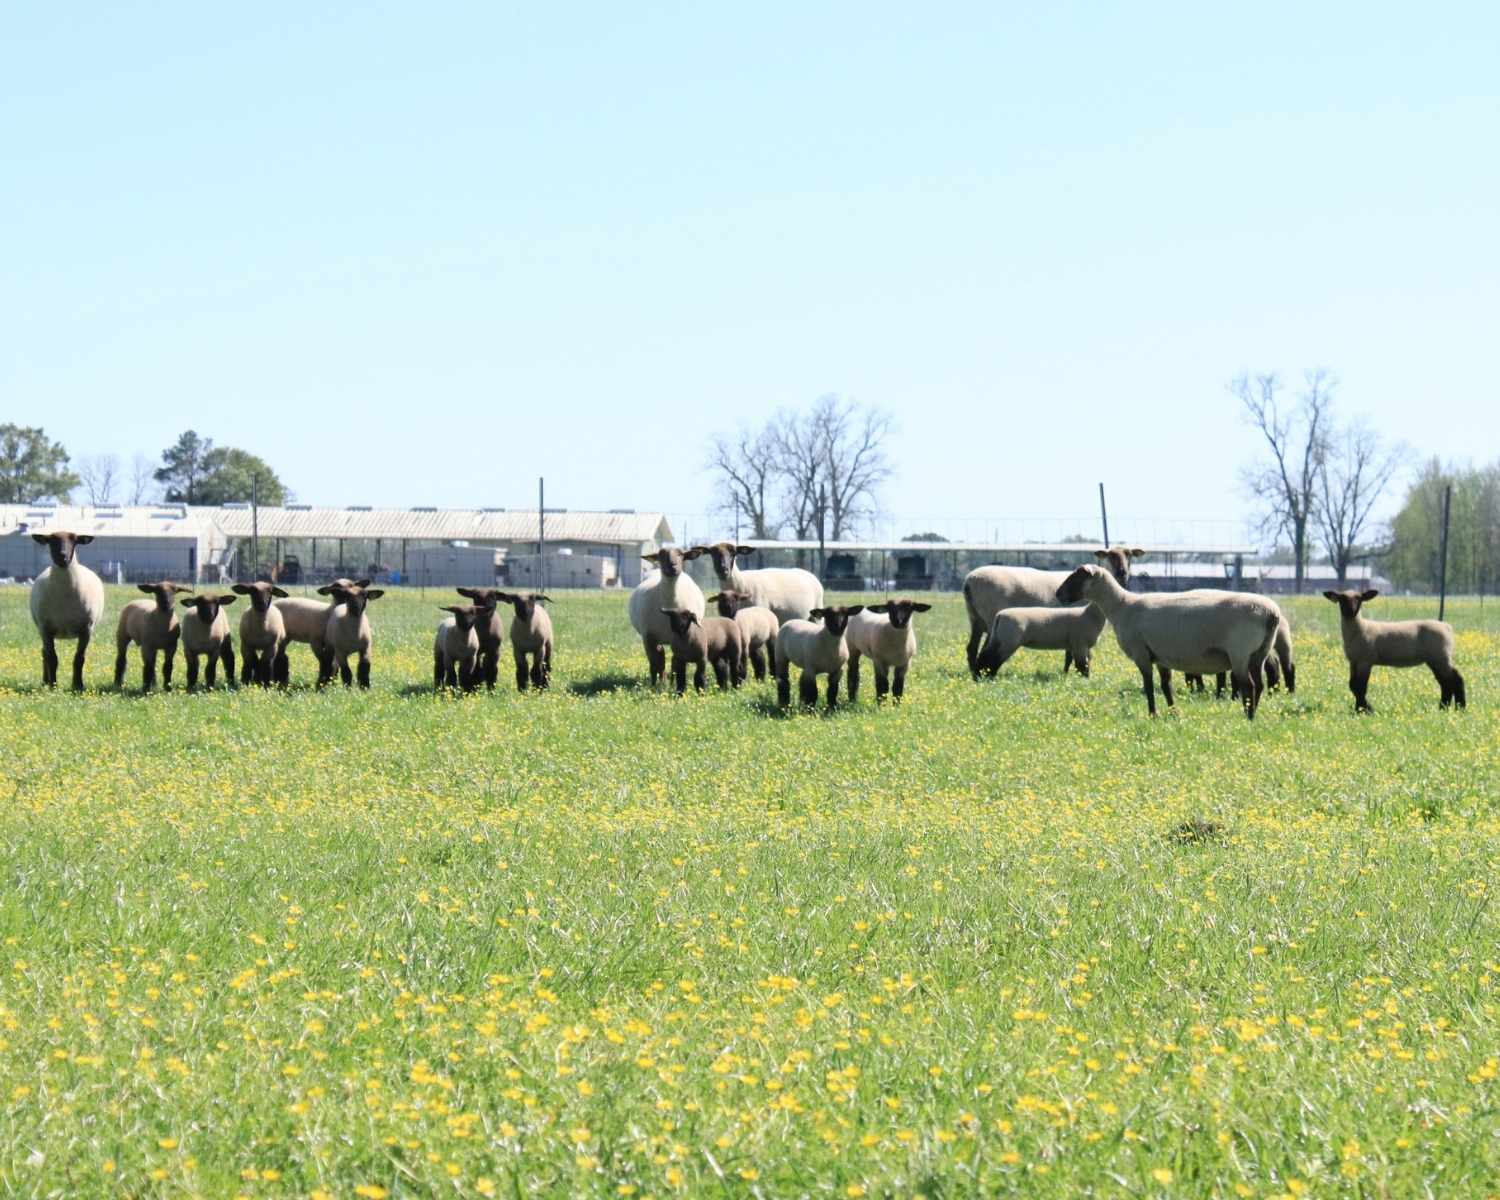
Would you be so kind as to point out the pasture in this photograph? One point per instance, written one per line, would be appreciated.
(1007, 938)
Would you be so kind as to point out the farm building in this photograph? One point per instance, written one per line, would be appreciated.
(383, 542)
(131, 545)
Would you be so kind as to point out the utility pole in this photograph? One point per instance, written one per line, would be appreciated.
(1104, 515)
(822, 548)
(254, 527)
(541, 528)
(1443, 558)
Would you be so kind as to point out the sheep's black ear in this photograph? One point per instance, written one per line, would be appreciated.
(227, 600)
(147, 588)
(694, 552)
(1137, 552)
(542, 596)
(744, 549)
(1334, 596)
(921, 607)
(715, 598)
(362, 583)
(41, 539)
(241, 589)
(851, 609)
(817, 612)
(1101, 553)
(374, 593)
(327, 590)
(188, 601)
(650, 558)
(881, 608)
(1368, 594)
(276, 591)
(83, 539)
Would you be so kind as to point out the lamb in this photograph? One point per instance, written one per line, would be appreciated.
(347, 632)
(1198, 633)
(1072, 630)
(789, 592)
(152, 625)
(455, 648)
(488, 626)
(205, 630)
(817, 649)
(758, 626)
(1370, 644)
(263, 634)
(1278, 665)
(530, 634)
(890, 642)
(67, 601)
(989, 589)
(714, 640)
(667, 587)
(306, 621)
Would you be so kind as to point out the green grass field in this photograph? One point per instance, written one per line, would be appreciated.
(1007, 938)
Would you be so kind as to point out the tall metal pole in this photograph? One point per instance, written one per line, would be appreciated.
(1443, 557)
(1104, 515)
(254, 527)
(541, 527)
(822, 549)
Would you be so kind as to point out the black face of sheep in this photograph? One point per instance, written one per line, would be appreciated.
(722, 555)
(1117, 561)
(682, 620)
(163, 592)
(208, 606)
(353, 598)
(836, 619)
(731, 602)
(261, 594)
(62, 545)
(483, 597)
(1071, 591)
(668, 560)
(1349, 601)
(524, 603)
(900, 611)
(463, 614)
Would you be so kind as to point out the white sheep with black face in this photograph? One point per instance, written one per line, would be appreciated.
(789, 592)
(455, 648)
(306, 621)
(530, 637)
(205, 633)
(1182, 631)
(711, 641)
(884, 634)
(263, 635)
(667, 587)
(153, 626)
(989, 589)
(1369, 644)
(67, 602)
(347, 633)
(758, 627)
(817, 647)
(1071, 630)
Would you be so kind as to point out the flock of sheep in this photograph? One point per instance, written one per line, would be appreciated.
(769, 619)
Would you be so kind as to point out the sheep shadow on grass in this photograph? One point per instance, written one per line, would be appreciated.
(607, 683)
(767, 706)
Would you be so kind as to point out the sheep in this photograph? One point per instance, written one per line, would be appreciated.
(789, 592)
(989, 589)
(817, 649)
(67, 601)
(152, 625)
(347, 632)
(205, 630)
(263, 634)
(1370, 644)
(490, 630)
(1279, 665)
(530, 635)
(758, 626)
(890, 642)
(668, 586)
(716, 641)
(455, 647)
(1199, 633)
(1072, 630)
(306, 621)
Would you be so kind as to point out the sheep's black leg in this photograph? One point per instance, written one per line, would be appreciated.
(997, 658)
(1254, 688)
(854, 679)
(210, 671)
(1272, 673)
(1219, 686)
(122, 650)
(976, 635)
(282, 669)
(882, 685)
(898, 683)
(656, 659)
(1067, 660)
(1150, 688)
(783, 689)
(49, 660)
(538, 671)
(169, 657)
(1166, 684)
(698, 673)
(522, 676)
(833, 689)
(83, 647)
(192, 666)
(807, 688)
(758, 663)
(226, 651)
(248, 665)
(437, 671)
(721, 673)
(1359, 684)
(148, 669)
(1085, 665)
(345, 673)
(1289, 673)
(1193, 683)
(1456, 688)
(679, 673)
(364, 671)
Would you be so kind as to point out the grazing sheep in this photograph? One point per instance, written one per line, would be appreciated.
(1072, 630)
(262, 633)
(306, 621)
(205, 630)
(669, 586)
(67, 601)
(789, 592)
(890, 642)
(530, 634)
(152, 625)
(758, 625)
(713, 640)
(1278, 665)
(490, 629)
(455, 648)
(819, 649)
(1181, 631)
(1370, 644)
(347, 632)
(989, 589)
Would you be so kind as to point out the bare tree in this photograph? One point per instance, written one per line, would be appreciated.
(1356, 468)
(142, 480)
(855, 465)
(747, 472)
(1286, 481)
(801, 466)
(101, 475)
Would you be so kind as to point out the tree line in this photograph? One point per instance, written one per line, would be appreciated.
(34, 469)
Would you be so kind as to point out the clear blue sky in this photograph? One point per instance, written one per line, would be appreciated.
(418, 255)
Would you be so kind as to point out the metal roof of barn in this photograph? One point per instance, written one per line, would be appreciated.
(446, 524)
(150, 520)
(1081, 548)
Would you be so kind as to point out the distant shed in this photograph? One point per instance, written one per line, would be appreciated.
(131, 544)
